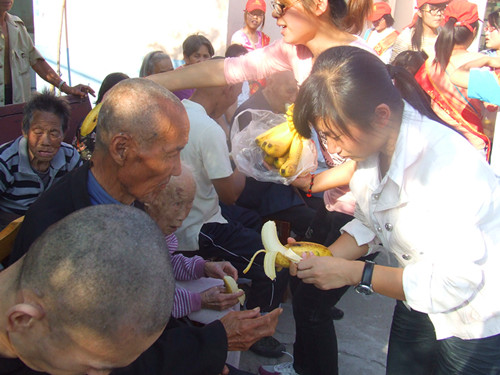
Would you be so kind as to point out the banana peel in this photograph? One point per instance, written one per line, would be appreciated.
(278, 255)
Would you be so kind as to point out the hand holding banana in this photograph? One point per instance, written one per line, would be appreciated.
(279, 256)
(283, 146)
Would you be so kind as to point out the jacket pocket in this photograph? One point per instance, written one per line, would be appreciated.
(20, 62)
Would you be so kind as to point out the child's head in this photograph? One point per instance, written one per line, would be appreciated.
(172, 205)
(412, 61)
(493, 30)
(255, 14)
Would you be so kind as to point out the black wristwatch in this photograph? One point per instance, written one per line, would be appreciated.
(365, 286)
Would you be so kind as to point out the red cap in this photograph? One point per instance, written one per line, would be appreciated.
(421, 3)
(256, 5)
(379, 10)
(465, 13)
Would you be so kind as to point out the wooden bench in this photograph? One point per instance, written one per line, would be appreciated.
(11, 117)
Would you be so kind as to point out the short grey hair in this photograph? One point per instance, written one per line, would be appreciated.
(102, 268)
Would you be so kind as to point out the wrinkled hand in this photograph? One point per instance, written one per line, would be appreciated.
(79, 90)
(215, 298)
(244, 328)
(324, 272)
(218, 270)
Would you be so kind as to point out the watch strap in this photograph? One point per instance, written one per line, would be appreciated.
(366, 277)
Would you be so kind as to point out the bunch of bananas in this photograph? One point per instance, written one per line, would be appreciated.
(282, 146)
(279, 256)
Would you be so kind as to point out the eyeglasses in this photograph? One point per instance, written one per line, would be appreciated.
(435, 11)
(490, 29)
(280, 9)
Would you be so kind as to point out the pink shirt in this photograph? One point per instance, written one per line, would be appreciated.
(276, 57)
(239, 37)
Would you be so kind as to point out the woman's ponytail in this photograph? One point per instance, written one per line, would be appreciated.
(351, 16)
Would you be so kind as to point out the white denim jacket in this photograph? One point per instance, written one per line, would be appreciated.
(438, 211)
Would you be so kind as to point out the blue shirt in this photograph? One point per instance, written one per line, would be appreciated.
(97, 194)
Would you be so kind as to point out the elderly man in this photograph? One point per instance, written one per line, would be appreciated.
(141, 130)
(68, 307)
(33, 162)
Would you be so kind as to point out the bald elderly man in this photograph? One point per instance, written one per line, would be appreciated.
(142, 128)
(68, 307)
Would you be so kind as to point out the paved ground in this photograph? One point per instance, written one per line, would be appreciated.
(362, 334)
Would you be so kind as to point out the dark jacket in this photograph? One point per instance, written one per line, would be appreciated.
(180, 350)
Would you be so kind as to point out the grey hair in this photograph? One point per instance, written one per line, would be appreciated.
(105, 268)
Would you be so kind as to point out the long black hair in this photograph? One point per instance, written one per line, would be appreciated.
(347, 84)
(450, 36)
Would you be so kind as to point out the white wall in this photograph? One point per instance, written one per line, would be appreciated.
(113, 35)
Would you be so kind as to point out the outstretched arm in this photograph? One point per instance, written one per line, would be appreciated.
(209, 73)
(460, 76)
(44, 70)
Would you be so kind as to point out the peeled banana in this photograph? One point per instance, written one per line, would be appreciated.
(232, 287)
(90, 121)
(277, 255)
(283, 146)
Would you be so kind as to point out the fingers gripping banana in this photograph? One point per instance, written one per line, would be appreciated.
(278, 255)
(232, 287)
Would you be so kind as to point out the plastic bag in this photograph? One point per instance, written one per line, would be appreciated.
(249, 157)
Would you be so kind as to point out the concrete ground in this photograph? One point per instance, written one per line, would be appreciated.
(362, 334)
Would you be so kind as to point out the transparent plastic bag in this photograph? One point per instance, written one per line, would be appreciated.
(249, 157)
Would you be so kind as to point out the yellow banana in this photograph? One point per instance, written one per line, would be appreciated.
(289, 167)
(289, 117)
(277, 255)
(276, 141)
(269, 160)
(269, 133)
(278, 162)
(90, 121)
(232, 287)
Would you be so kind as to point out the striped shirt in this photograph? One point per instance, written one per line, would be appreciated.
(20, 185)
(185, 269)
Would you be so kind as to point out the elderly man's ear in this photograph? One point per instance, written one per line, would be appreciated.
(120, 147)
(23, 316)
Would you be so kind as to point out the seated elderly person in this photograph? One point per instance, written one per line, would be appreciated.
(68, 307)
(32, 163)
(200, 294)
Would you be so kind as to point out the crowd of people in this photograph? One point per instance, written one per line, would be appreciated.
(127, 237)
